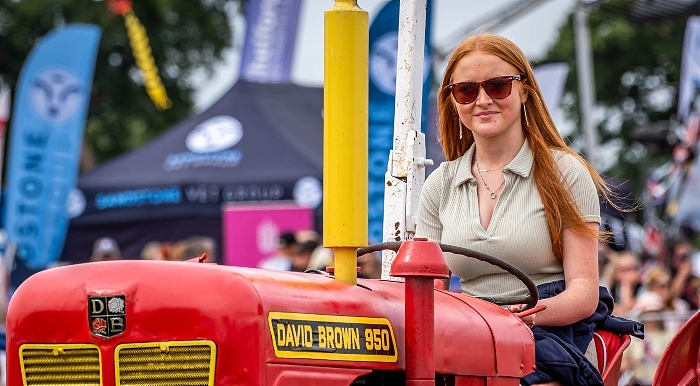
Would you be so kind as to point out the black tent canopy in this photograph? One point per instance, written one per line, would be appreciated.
(258, 143)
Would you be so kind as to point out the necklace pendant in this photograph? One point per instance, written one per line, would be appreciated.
(492, 195)
(483, 170)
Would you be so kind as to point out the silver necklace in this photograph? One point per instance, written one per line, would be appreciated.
(492, 193)
(488, 170)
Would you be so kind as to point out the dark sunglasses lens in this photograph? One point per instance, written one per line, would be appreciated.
(498, 88)
(465, 92)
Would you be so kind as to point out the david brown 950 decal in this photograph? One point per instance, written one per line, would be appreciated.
(331, 337)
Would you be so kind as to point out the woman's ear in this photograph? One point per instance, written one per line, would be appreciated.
(524, 94)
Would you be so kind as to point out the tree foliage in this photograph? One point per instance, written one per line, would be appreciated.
(636, 69)
(185, 36)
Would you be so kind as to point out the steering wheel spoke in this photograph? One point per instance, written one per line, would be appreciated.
(529, 300)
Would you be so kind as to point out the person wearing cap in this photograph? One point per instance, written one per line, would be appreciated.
(105, 249)
(286, 248)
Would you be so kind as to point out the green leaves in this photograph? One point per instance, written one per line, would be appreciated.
(636, 68)
(184, 35)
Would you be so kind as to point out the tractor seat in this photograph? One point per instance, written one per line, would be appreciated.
(609, 348)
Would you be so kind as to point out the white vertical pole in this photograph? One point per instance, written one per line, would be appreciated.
(586, 85)
(406, 170)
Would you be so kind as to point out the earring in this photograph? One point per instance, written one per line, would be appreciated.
(460, 129)
(525, 114)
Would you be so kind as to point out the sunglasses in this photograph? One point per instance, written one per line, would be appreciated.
(496, 88)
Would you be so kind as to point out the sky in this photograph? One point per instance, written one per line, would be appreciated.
(533, 32)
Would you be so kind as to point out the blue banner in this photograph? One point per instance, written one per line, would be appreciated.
(46, 134)
(271, 33)
(383, 46)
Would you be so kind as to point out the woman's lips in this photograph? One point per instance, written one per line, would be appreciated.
(485, 115)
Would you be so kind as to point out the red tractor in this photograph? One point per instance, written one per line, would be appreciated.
(170, 323)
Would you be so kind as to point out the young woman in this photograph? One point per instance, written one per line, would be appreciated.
(512, 188)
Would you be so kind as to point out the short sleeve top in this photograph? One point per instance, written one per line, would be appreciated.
(518, 232)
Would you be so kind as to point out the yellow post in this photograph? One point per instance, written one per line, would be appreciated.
(345, 135)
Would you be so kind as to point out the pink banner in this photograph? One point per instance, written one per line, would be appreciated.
(251, 232)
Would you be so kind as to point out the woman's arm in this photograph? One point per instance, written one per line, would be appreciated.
(580, 298)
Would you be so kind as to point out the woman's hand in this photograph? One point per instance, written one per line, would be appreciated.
(527, 316)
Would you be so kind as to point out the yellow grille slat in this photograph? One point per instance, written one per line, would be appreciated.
(204, 375)
(60, 369)
(64, 377)
(60, 364)
(169, 366)
(166, 363)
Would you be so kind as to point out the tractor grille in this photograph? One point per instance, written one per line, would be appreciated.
(188, 363)
(60, 364)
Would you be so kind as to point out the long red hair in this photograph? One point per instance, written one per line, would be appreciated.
(560, 209)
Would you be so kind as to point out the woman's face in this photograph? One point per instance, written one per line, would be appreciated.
(487, 117)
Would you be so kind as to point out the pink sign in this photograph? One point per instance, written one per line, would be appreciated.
(251, 231)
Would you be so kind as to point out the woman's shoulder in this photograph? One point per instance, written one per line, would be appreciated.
(569, 163)
(442, 177)
(566, 159)
(445, 171)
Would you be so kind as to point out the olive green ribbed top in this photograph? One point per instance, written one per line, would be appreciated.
(517, 233)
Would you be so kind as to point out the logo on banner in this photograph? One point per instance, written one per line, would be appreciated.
(76, 203)
(382, 62)
(267, 236)
(207, 144)
(308, 192)
(56, 95)
(215, 134)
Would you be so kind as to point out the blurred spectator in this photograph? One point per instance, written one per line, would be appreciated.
(154, 250)
(642, 356)
(104, 249)
(321, 258)
(370, 265)
(286, 248)
(623, 280)
(657, 290)
(308, 235)
(681, 269)
(694, 301)
(302, 257)
(195, 246)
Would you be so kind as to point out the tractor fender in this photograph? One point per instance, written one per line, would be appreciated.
(680, 361)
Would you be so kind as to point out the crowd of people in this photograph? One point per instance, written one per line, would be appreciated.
(107, 248)
(302, 251)
(662, 292)
(298, 251)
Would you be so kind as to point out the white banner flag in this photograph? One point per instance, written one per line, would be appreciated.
(690, 68)
(552, 78)
(5, 107)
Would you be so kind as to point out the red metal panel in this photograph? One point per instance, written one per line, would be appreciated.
(680, 363)
(229, 305)
(165, 301)
(469, 381)
(290, 375)
(512, 343)
(502, 381)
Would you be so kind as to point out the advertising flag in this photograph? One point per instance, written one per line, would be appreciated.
(5, 106)
(690, 68)
(552, 78)
(383, 46)
(268, 47)
(46, 133)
